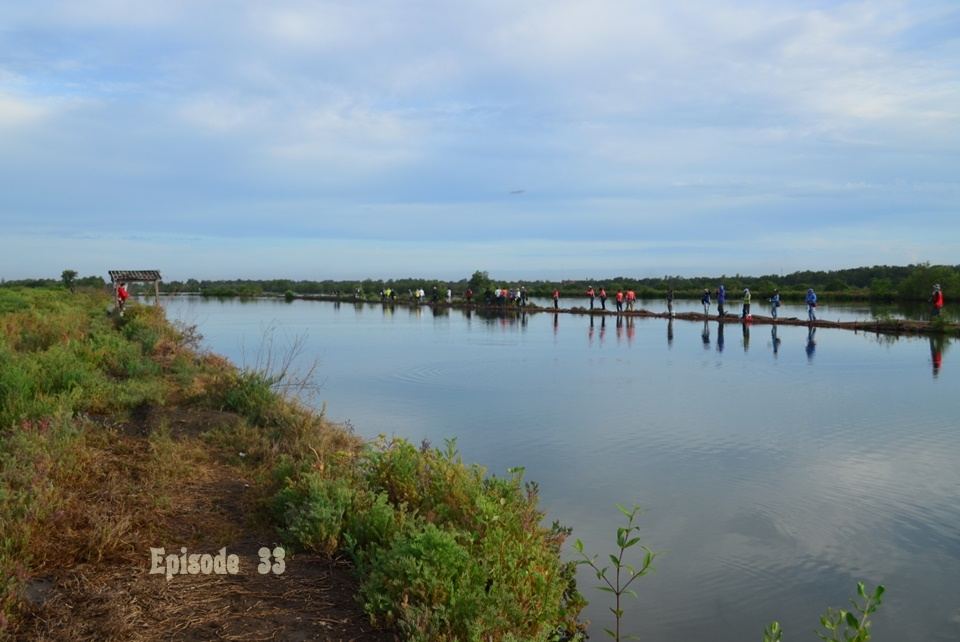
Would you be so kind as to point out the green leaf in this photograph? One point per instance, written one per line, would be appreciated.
(861, 591)
(578, 544)
(851, 620)
(879, 592)
(625, 511)
(616, 562)
(631, 542)
(611, 633)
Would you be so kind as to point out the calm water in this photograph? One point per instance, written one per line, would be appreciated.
(775, 471)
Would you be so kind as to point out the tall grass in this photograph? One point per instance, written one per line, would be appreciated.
(61, 358)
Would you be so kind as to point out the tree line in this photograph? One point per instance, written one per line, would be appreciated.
(876, 283)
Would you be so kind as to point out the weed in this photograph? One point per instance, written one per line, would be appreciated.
(624, 573)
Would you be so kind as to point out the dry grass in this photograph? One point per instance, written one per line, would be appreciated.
(83, 496)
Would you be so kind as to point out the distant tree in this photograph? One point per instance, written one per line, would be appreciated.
(882, 289)
(67, 276)
(480, 282)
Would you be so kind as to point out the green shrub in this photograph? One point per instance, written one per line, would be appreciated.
(443, 552)
(372, 523)
(136, 326)
(311, 510)
(428, 585)
(250, 394)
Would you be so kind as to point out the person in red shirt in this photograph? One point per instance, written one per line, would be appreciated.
(631, 299)
(122, 296)
(468, 295)
(556, 299)
(603, 297)
(592, 295)
(937, 299)
(619, 298)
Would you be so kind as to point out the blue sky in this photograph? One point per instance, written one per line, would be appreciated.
(387, 138)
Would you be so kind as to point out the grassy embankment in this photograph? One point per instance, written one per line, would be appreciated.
(441, 550)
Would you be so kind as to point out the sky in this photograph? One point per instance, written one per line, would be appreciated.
(380, 138)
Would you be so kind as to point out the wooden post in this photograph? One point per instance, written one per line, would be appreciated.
(156, 292)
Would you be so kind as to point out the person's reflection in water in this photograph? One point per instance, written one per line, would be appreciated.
(746, 336)
(619, 328)
(556, 323)
(603, 328)
(631, 330)
(670, 333)
(705, 335)
(336, 304)
(469, 314)
(811, 342)
(775, 340)
(590, 331)
(937, 343)
(720, 336)
(523, 320)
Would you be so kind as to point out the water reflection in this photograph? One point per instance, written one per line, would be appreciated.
(937, 345)
(746, 336)
(775, 340)
(670, 333)
(705, 335)
(720, 336)
(603, 328)
(811, 343)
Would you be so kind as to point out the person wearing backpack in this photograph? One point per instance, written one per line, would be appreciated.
(811, 305)
(774, 303)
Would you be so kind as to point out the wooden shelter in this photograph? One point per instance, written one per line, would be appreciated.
(136, 276)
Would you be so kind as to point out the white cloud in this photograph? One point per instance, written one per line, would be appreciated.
(17, 111)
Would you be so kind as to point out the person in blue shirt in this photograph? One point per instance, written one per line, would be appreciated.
(705, 300)
(811, 305)
(774, 303)
(721, 299)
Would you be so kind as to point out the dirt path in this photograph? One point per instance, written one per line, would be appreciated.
(204, 504)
